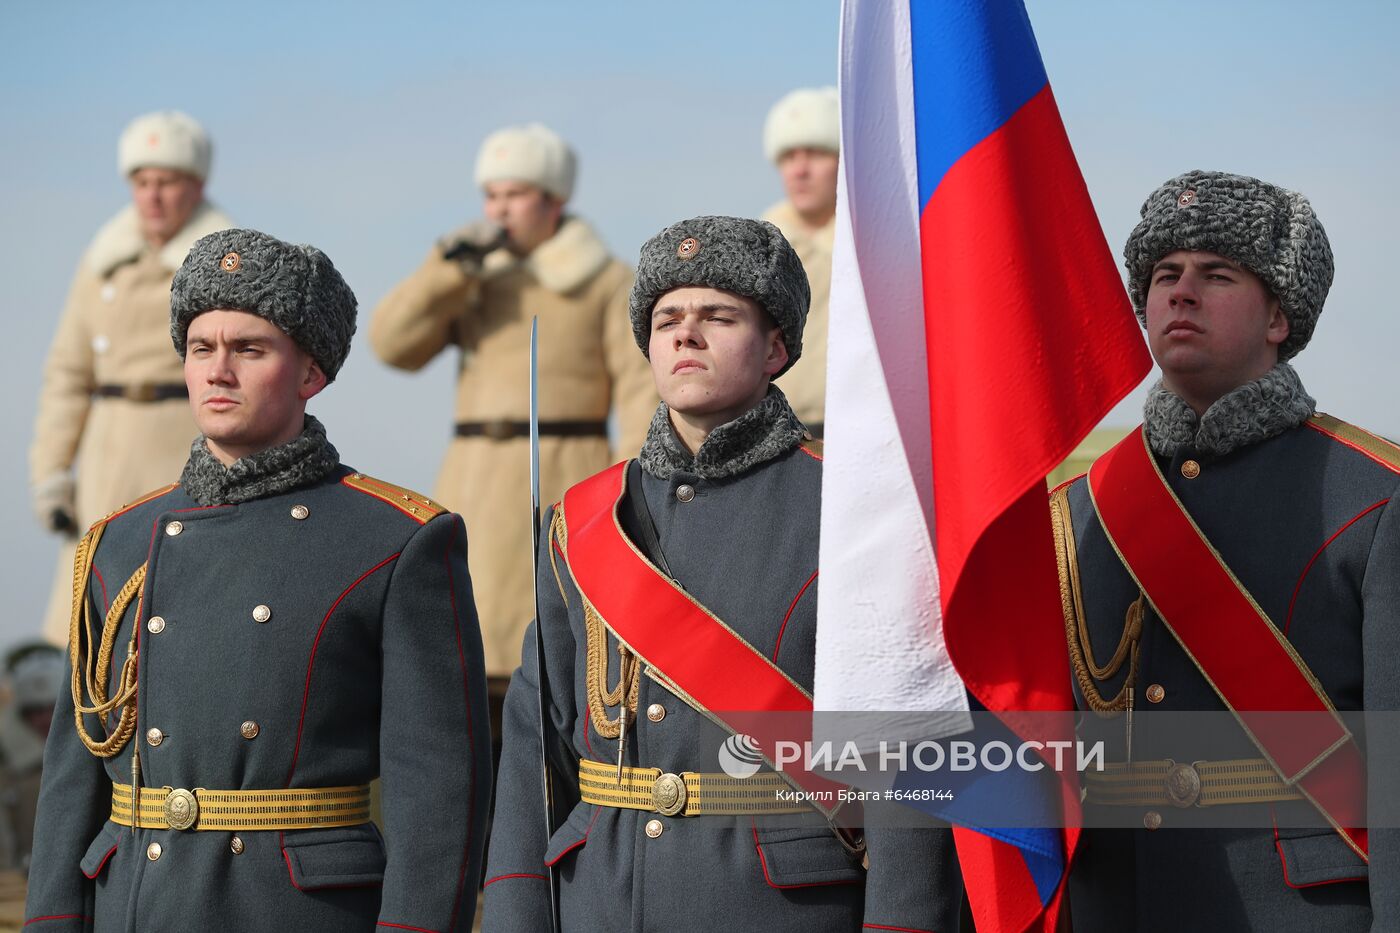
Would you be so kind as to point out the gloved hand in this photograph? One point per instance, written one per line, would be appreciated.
(470, 244)
(54, 504)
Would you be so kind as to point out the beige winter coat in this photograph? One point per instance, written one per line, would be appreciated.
(115, 330)
(588, 362)
(805, 384)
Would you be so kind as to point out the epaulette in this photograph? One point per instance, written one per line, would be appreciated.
(140, 500)
(1069, 482)
(413, 504)
(812, 447)
(1378, 449)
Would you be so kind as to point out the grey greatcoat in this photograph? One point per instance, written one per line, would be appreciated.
(333, 614)
(1306, 519)
(745, 546)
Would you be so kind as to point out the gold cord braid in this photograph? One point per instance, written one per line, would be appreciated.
(1081, 650)
(628, 681)
(596, 673)
(95, 676)
(558, 531)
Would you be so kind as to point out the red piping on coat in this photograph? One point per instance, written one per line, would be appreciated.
(400, 926)
(102, 583)
(311, 663)
(1299, 585)
(795, 600)
(1278, 846)
(763, 863)
(518, 874)
(581, 841)
(282, 844)
(60, 917)
(102, 864)
(879, 926)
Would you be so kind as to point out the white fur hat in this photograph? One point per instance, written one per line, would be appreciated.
(532, 153)
(165, 139)
(809, 117)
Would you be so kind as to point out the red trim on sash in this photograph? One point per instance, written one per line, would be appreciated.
(1244, 657)
(724, 675)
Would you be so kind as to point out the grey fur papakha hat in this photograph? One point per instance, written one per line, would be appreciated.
(295, 287)
(1269, 230)
(748, 257)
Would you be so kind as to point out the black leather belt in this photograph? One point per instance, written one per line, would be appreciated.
(504, 430)
(144, 391)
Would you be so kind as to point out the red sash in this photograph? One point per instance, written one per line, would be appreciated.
(1242, 654)
(701, 659)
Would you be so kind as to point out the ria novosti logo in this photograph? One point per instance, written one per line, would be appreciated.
(740, 757)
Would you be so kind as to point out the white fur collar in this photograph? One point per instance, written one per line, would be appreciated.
(562, 263)
(120, 241)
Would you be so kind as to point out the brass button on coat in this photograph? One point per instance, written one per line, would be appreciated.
(153, 851)
(261, 613)
(685, 492)
(155, 625)
(1152, 819)
(654, 828)
(235, 845)
(1190, 469)
(154, 737)
(656, 712)
(249, 730)
(300, 512)
(174, 528)
(1156, 693)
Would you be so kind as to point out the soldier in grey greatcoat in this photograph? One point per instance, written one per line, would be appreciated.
(724, 502)
(1228, 275)
(265, 638)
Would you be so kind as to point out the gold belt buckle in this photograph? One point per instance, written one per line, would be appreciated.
(668, 794)
(181, 808)
(1183, 785)
(141, 392)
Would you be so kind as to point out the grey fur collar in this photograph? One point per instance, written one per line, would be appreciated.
(762, 433)
(1256, 411)
(302, 461)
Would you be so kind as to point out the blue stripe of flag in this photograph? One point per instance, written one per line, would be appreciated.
(976, 63)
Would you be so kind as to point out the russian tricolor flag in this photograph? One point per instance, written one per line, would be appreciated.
(979, 330)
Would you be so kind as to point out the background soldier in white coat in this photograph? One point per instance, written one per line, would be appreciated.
(476, 292)
(112, 420)
(802, 137)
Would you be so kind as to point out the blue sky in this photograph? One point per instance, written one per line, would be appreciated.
(354, 125)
